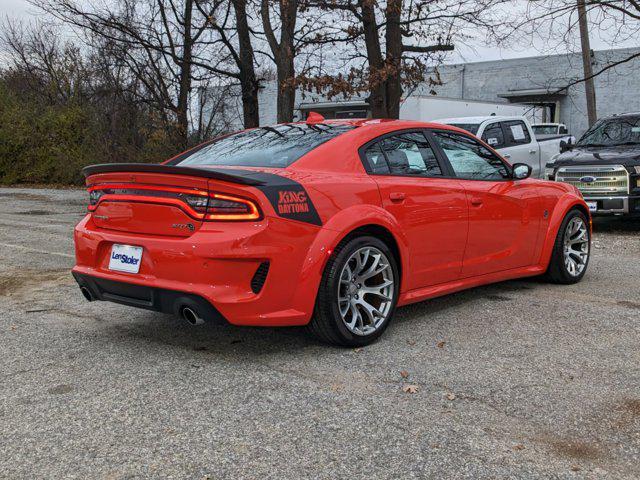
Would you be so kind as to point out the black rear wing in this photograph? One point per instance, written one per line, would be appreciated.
(232, 175)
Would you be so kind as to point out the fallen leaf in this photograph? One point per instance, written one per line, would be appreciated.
(410, 389)
(451, 396)
(518, 447)
(13, 328)
(404, 374)
(357, 350)
(575, 468)
(440, 344)
(411, 342)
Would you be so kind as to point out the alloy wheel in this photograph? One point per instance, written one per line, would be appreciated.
(365, 291)
(576, 246)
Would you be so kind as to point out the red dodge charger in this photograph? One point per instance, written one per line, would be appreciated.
(329, 224)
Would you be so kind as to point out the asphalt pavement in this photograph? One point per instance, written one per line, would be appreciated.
(516, 380)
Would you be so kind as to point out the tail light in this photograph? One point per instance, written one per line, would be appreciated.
(199, 204)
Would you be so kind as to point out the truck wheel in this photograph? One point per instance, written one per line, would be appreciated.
(571, 250)
(357, 295)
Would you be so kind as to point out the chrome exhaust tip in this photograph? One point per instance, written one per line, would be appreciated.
(87, 294)
(191, 316)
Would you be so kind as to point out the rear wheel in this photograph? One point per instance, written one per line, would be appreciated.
(571, 250)
(357, 294)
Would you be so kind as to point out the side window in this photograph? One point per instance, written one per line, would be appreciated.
(375, 159)
(517, 133)
(494, 136)
(410, 154)
(469, 159)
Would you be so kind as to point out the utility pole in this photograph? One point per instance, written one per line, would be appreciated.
(586, 63)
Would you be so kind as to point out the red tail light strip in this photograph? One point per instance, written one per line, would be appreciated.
(163, 196)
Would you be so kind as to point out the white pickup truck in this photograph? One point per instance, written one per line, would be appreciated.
(513, 138)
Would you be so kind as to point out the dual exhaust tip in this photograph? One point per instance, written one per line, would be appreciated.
(191, 316)
(86, 293)
(188, 314)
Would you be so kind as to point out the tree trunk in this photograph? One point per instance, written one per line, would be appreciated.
(182, 107)
(248, 81)
(393, 37)
(284, 54)
(377, 94)
(286, 90)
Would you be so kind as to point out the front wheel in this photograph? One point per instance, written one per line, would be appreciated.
(357, 294)
(571, 250)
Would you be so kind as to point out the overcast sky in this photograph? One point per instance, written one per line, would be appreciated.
(477, 51)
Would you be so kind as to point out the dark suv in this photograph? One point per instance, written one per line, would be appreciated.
(604, 165)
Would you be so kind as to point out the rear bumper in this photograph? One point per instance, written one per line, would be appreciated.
(150, 298)
(216, 267)
(618, 205)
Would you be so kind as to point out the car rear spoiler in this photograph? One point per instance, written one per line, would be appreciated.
(242, 177)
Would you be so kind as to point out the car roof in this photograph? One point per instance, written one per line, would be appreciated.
(377, 122)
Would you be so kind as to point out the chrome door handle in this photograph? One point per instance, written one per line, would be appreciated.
(506, 155)
(532, 151)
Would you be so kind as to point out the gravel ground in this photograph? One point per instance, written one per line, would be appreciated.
(520, 379)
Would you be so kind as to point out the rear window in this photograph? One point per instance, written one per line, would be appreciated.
(276, 147)
(469, 127)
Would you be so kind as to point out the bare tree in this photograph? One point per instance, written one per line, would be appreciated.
(400, 38)
(234, 38)
(283, 50)
(168, 45)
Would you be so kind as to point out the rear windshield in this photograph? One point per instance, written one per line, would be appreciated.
(469, 127)
(545, 129)
(276, 147)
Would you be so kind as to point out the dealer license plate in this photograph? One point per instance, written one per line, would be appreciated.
(593, 206)
(125, 258)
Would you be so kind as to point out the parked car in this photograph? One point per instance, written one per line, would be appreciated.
(604, 165)
(513, 138)
(329, 224)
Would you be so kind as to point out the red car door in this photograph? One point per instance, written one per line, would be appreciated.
(503, 221)
(431, 209)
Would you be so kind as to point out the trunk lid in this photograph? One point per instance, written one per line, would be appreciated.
(146, 203)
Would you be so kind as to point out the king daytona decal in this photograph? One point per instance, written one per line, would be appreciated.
(292, 202)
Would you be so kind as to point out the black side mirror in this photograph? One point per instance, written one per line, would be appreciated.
(565, 146)
(521, 171)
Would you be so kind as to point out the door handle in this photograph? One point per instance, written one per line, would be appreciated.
(506, 155)
(532, 152)
(397, 196)
(476, 202)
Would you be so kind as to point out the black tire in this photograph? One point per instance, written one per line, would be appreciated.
(327, 324)
(557, 271)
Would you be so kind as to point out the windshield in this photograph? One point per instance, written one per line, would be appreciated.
(469, 127)
(613, 131)
(545, 129)
(275, 147)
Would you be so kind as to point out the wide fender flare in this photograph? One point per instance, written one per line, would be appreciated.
(336, 229)
(562, 207)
